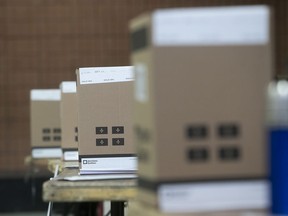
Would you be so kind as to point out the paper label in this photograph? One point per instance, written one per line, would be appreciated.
(277, 103)
(239, 25)
(111, 163)
(45, 94)
(204, 197)
(141, 83)
(68, 87)
(70, 155)
(105, 75)
(99, 177)
(46, 153)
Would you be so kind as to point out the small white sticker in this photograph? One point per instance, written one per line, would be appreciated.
(105, 74)
(217, 196)
(111, 163)
(70, 155)
(45, 95)
(141, 83)
(68, 87)
(46, 153)
(236, 25)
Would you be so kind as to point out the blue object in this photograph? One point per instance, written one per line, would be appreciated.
(278, 144)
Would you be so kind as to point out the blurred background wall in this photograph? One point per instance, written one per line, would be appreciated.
(43, 41)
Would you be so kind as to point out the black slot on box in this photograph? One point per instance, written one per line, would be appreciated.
(57, 138)
(228, 131)
(101, 130)
(198, 154)
(197, 132)
(46, 138)
(117, 130)
(101, 142)
(46, 130)
(229, 153)
(57, 130)
(117, 141)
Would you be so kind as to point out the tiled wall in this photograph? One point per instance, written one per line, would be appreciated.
(43, 41)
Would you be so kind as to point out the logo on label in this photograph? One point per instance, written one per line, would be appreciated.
(175, 194)
(89, 161)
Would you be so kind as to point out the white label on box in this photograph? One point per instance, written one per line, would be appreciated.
(217, 196)
(141, 82)
(45, 94)
(46, 153)
(68, 87)
(239, 25)
(99, 177)
(105, 74)
(110, 163)
(70, 155)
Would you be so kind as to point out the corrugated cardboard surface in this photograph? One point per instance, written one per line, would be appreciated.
(205, 86)
(45, 124)
(69, 121)
(43, 41)
(104, 105)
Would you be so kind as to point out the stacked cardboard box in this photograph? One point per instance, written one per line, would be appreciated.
(105, 119)
(45, 123)
(200, 79)
(68, 109)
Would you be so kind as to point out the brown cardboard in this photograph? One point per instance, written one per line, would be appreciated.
(104, 102)
(45, 123)
(199, 100)
(69, 118)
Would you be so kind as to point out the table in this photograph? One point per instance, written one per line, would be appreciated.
(61, 164)
(117, 191)
(37, 166)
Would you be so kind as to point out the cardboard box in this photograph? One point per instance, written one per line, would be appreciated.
(45, 123)
(69, 121)
(200, 79)
(105, 96)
